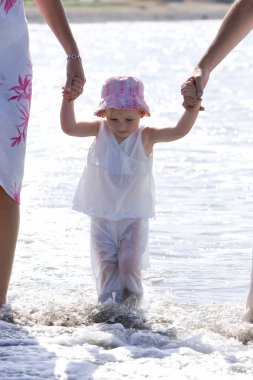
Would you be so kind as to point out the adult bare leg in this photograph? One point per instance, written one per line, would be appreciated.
(9, 225)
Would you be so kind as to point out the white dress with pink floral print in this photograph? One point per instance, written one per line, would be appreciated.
(15, 94)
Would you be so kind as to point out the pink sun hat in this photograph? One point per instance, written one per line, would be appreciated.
(122, 93)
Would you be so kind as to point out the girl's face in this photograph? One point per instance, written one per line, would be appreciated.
(122, 123)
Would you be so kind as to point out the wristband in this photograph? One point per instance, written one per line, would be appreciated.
(74, 56)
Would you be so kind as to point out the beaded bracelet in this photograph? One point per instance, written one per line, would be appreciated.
(74, 56)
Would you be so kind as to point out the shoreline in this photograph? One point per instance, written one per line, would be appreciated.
(175, 11)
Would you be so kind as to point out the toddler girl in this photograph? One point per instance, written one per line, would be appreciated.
(117, 188)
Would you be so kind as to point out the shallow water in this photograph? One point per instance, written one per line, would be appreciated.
(189, 324)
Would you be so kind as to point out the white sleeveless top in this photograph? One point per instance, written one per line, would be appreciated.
(117, 182)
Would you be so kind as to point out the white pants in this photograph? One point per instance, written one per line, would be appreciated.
(119, 250)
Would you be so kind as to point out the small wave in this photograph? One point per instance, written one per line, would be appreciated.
(6, 314)
(174, 320)
(81, 313)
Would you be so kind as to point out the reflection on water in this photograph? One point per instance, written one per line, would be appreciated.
(200, 239)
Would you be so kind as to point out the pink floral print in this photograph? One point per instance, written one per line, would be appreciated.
(16, 193)
(24, 90)
(8, 4)
(21, 128)
(22, 93)
(15, 96)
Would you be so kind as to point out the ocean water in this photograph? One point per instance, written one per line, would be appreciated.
(189, 325)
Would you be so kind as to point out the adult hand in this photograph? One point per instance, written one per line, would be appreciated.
(188, 90)
(75, 78)
(200, 78)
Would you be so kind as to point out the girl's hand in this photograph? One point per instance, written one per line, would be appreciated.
(197, 106)
(67, 95)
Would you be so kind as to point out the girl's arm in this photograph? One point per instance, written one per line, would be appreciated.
(54, 14)
(69, 124)
(152, 136)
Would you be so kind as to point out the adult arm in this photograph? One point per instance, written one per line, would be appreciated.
(54, 14)
(236, 24)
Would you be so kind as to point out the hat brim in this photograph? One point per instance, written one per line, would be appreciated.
(110, 102)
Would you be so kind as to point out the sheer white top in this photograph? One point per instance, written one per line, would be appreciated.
(117, 182)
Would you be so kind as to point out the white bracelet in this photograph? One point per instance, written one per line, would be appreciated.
(74, 56)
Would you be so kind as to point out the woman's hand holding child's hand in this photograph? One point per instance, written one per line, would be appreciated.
(188, 90)
(76, 89)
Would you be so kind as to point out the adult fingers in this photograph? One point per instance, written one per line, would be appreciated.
(77, 85)
(199, 85)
